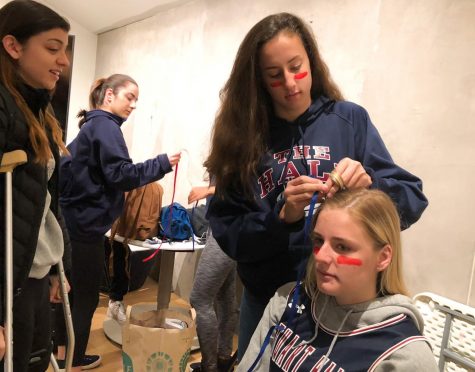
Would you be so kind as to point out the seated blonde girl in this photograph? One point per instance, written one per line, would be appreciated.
(352, 312)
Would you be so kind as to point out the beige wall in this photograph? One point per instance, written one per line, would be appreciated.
(410, 63)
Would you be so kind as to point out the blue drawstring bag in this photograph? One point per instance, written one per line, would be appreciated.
(175, 223)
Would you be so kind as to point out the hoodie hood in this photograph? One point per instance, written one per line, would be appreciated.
(105, 115)
(280, 128)
(306, 118)
(365, 314)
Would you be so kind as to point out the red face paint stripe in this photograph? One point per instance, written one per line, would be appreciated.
(343, 260)
(276, 84)
(316, 250)
(301, 75)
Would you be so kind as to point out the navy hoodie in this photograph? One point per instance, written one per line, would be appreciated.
(269, 251)
(98, 172)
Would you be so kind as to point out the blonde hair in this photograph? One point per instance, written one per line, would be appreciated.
(377, 215)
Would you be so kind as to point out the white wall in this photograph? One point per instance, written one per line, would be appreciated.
(84, 65)
(409, 62)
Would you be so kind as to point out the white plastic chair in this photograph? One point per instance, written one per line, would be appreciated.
(450, 328)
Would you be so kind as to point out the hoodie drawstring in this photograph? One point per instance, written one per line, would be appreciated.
(326, 357)
(315, 317)
(304, 159)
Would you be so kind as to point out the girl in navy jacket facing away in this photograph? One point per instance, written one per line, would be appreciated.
(94, 179)
(280, 131)
(32, 55)
(352, 312)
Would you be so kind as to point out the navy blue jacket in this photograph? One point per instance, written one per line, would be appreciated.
(98, 172)
(269, 251)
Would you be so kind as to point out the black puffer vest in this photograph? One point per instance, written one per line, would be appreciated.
(29, 188)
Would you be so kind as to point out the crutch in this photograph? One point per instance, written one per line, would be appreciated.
(69, 322)
(9, 161)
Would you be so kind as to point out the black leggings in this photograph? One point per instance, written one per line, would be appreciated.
(32, 327)
(120, 282)
(86, 277)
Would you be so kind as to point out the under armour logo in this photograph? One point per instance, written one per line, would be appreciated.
(300, 308)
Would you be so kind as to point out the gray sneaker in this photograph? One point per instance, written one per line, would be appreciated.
(116, 310)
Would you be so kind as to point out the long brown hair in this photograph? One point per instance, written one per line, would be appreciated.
(241, 128)
(377, 215)
(98, 92)
(24, 19)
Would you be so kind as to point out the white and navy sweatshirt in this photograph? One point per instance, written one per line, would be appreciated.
(383, 334)
(267, 250)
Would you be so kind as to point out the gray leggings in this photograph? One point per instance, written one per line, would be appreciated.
(215, 282)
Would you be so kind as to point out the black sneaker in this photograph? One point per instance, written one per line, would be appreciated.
(91, 361)
(227, 364)
(195, 367)
(224, 364)
(61, 364)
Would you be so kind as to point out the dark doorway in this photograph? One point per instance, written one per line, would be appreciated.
(60, 101)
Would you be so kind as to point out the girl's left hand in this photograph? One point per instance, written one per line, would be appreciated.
(197, 193)
(298, 194)
(174, 159)
(352, 174)
(55, 289)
